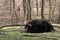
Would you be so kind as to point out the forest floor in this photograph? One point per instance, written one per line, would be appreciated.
(17, 33)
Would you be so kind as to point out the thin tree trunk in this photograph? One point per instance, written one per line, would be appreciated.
(28, 10)
(24, 6)
(37, 7)
(15, 12)
(14, 4)
(59, 13)
(42, 10)
(53, 10)
(25, 10)
(50, 10)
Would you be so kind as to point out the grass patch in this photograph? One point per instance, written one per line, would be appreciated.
(19, 34)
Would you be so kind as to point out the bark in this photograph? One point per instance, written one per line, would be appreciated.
(28, 10)
(42, 10)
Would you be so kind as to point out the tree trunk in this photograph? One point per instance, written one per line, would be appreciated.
(37, 7)
(25, 10)
(49, 11)
(59, 13)
(14, 12)
(42, 10)
(28, 10)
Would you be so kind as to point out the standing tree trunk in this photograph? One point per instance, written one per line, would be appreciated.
(24, 6)
(28, 10)
(14, 4)
(50, 10)
(53, 9)
(15, 12)
(14, 15)
(10, 5)
(25, 10)
(59, 13)
(37, 7)
(42, 10)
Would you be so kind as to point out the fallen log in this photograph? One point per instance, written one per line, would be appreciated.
(56, 25)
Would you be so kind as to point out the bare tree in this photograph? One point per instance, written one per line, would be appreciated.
(25, 10)
(11, 8)
(37, 7)
(42, 10)
(28, 10)
(9, 5)
(24, 6)
(15, 12)
(59, 12)
(51, 10)
(14, 4)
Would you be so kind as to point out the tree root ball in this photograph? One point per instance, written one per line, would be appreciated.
(38, 26)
